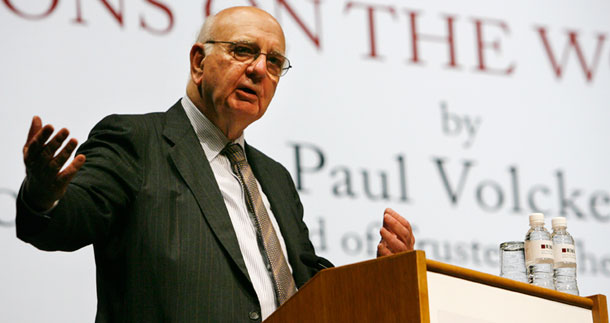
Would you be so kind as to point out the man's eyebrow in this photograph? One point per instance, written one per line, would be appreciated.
(246, 42)
(275, 52)
(255, 44)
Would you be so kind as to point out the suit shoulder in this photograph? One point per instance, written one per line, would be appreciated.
(138, 124)
(260, 160)
(135, 126)
(131, 120)
(259, 155)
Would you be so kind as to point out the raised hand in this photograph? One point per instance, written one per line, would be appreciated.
(45, 180)
(396, 234)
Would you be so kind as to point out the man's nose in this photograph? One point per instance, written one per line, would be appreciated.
(259, 66)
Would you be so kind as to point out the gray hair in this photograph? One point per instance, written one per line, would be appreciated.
(205, 33)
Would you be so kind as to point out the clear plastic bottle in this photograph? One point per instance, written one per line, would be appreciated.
(539, 253)
(565, 257)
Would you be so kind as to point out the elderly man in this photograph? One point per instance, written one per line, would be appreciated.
(188, 222)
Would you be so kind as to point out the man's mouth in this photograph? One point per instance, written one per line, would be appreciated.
(247, 90)
(246, 93)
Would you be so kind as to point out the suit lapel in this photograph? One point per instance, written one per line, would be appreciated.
(189, 159)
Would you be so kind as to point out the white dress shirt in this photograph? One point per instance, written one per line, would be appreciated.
(213, 141)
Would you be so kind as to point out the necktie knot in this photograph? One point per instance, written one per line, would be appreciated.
(235, 153)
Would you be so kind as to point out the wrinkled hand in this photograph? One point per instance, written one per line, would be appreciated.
(45, 182)
(396, 234)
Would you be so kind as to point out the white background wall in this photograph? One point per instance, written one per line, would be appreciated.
(362, 114)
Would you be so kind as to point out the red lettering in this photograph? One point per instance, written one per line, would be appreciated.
(29, 15)
(495, 45)
(117, 14)
(170, 19)
(415, 37)
(315, 38)
(371, 20)
(208, 7)
(79, 14)
(558, 68)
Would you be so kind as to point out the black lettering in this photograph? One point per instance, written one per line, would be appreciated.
(514, 178)
(531, 198)
(605, 267)
(499, 199)
(453, 193)
(402, 170)
(475, 253)
(565, 203)
(426, 245)
(585, 259)
(300, 168)
(491, 256)
(451, 124)
(461, 254)
(351, 243)
(372, 237)
(320, 233)
(384, 186)
(594, 202)
(343, 188)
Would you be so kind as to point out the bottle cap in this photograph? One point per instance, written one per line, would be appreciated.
(536, 219)
(559, 222)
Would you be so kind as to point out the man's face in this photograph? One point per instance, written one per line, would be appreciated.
(235, 90)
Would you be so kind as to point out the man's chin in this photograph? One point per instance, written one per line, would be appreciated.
(246, 111)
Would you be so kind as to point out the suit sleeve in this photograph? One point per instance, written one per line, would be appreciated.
(98, 198)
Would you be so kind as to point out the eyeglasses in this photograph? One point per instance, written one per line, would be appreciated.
(277, 64)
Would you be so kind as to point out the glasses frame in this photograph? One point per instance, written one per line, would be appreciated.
(283, 71)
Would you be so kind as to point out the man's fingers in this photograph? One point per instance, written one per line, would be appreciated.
(58, 162)
(399, 218)
(403, 233)
(34, 128)
(400, 226)
(66, 176)
(34, 146)
(386, 234)
(391, 241)
(382, 250)
(51, 147)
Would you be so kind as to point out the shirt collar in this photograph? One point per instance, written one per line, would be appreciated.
(211, 138)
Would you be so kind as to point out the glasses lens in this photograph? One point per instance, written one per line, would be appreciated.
(275, 64)
(244, 52)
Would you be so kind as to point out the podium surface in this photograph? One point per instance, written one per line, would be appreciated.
(409, 288)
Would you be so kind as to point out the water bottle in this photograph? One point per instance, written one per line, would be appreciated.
(565, 257)
(539, 253)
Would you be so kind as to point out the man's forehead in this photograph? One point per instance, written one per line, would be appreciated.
(248, 24)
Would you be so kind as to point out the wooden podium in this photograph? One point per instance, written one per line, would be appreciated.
(409, 288)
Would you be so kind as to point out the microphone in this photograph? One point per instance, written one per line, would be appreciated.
(313, 261)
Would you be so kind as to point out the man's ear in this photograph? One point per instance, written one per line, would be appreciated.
(197, 55)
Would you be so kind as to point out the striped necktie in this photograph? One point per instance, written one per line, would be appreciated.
(271, 250)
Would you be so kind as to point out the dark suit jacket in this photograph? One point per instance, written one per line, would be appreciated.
(165, 248)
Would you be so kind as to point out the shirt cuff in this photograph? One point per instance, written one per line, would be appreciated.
(44, 214)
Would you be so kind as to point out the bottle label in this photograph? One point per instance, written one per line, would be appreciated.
(564, 253)
(538, 251)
